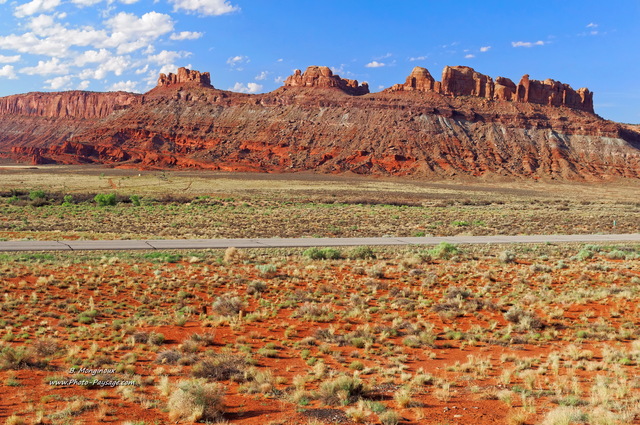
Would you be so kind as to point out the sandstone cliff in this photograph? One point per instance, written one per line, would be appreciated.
(479, 127)
(465, 81)
(185, 77)
(322, 76)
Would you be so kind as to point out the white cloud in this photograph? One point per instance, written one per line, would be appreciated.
(527, 43)
(249, 88)
(83, 3)
(469, 56)
(166, 56)
(7, 71)
(59, 83)
(484, 49)
(186, 35)
(115, 64)
(130, 86)
(385, 56)
(93, 56)
(592, 25)
(204, 7)
(131, 33)
(278, 79)
(262, 76)
(237, 60)
(417, 58)
(50, 67)
(9, 59)
(374, 64)
(36, 6)
(83, 85)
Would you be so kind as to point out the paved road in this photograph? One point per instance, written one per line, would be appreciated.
(300, 242)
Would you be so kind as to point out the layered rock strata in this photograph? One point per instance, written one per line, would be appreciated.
(315, 122)
(185, 76)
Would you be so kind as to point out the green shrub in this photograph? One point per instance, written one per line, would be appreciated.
(322, 253)
(360, 253)
(135, 200)
(444, 251)
(105, 199)
(67, 200)
(36, 194)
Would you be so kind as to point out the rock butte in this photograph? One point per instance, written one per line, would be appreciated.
(465, 81)
(467, 124)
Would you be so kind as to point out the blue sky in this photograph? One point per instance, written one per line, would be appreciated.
(252, 45)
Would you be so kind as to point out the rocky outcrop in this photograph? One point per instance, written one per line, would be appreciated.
(71, 104)
(465, 81)
(419, 80)
(481, 127)
(322, 76)
(185, 77)
(554, 93)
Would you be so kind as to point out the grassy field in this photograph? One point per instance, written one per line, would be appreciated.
(219, 205)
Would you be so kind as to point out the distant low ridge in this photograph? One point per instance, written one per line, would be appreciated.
(467, 124)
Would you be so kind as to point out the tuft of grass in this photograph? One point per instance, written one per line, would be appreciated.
(196, 400)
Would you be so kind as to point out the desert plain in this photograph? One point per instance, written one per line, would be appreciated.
(447, 334)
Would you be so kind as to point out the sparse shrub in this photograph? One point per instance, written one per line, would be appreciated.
(360, 253)
(135, 200)
(389, 417)
(526, 320)
(46, 347)
(67, 200)
(256, 287)
(105, 199)
(18, 358)
(342, 390)
(228, 306)
(168, 357)
(233, 255)
(507, 257)
(220, 367)
(322, 253)
(267, 270)
(444, 251)
(196, 400)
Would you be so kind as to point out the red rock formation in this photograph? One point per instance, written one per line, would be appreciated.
(411, 130)
(186, 77)
(420, 80)
(71, 104)
(504, 89)
(554, 93)
(321, 76)
(464, 81)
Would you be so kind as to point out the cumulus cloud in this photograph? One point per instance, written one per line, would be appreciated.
(484, 49)
(59, 83)
(130, 33)
(36, 6)
(375, 64)
(469, 56)
(9, 59)
(248, 88)
(204, 7)
(262, 76)
(83, 85)
(592, 25)
(8, 71)
(417, 58)
(50, 67)
(527, 43)
(186, 35)
(130, 86)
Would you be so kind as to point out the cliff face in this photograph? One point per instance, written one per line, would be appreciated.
(42, 119)
(465, 81)
(476, 127)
